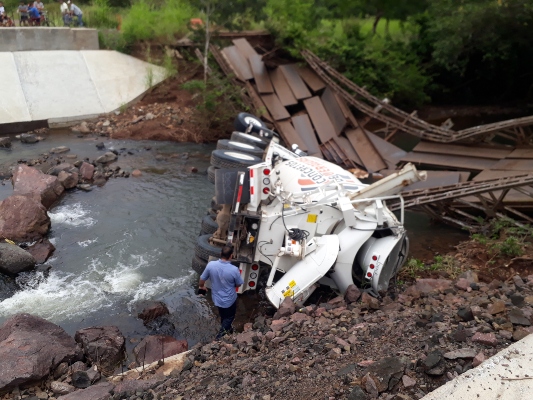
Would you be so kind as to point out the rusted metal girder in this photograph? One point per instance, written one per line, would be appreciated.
(518, 130)
(451, 204)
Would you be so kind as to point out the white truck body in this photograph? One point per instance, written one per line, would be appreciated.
(315, 223)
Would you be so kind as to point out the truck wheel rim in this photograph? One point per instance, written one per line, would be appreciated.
(242, 145)
(240, 156)
(253, 121)
(250, 137)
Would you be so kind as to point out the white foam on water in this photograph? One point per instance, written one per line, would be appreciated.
(64, 296)
(85, 243)
(72, 214)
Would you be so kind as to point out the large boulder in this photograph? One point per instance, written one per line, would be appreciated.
(100, 391)
(69, 180)
(41, 250)
(87, 171)
(103, 346)
(106, 158)
(5, 142)
(28, 138)
(32, 182)
(156, 347)
(30, 349)
(14, 260)
(23, 218)
(150, 310)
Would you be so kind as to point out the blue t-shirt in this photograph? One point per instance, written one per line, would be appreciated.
(34, 13)
(225, 277)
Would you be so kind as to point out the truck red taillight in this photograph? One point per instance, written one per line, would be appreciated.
(266, 171)
(255, 267)
(266, 190)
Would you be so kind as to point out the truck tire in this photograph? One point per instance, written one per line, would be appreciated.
(225, 144)
(211, 174)
(232, 159)
(243, 120)
(204, 249)
(198, 265)
(209, 225)
(249, 139)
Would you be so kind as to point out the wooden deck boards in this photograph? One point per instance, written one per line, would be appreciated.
(366, 151)
(334, 110)
(238, 63)
(302, 125)
(275, 107)
(297, 85)
(460, 150)
(320, 119)
(261, 76)
(456, 162)
(282, 89)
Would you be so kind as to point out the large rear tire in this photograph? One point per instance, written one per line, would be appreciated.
(225, 144)
(211, 174)
(204, 249)
(198, 265)
(249, 139)
(232, 159)
(244, 120)
(209, 224)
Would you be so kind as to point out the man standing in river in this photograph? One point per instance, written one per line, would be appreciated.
(225, 279)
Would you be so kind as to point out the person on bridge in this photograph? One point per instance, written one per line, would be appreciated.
(65, 13)
(225, 279)
(35, 16)
(38, 4)
(75, 10)
(23, 11)
(2, 12)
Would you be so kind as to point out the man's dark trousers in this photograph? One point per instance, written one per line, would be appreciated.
(227, 315)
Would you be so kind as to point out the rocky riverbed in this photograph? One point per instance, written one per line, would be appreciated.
(358, 347)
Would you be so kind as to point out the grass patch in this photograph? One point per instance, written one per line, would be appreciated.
(414, 268)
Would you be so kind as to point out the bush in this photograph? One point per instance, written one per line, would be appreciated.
(100, 15)
(147, 20)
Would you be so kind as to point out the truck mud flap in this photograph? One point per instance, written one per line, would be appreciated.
(299, 281)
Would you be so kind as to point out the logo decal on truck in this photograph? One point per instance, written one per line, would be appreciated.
(315, 173)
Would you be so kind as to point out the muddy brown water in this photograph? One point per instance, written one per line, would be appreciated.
(133, 239)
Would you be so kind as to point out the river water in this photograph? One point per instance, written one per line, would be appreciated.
(133, 239)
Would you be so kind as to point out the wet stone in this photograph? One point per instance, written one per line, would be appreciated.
(432, 360)
(465, 314)
(517, 317)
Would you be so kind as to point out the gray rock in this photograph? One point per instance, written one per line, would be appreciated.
(517, 317)
(129, 388)
(59, 150)
(517, 299)
(80, 380)
(461, 353)
(31, 348)
(5, 142)
(14, 260)
(41, 250)
(28, 138)
(465, 314)
(56, 169)
(69, 180)
(432, 360)
(100, 145)
(85, 187)
(106, 158)
(61, 388)
(386, 372)
(357, 394)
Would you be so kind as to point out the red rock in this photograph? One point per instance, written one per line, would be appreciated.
(352, 294)
(462, 284)
(430, 285)
(104, 345)
(488, 339)
(31, 348)
(319, 311)
(41, 251)
(408, 381)
(248, 327)
(336, 300)
(23, 218)
(286, 308)
(366, 363)
(300, 317)
(157, 347)
(478, 359)
(370, 386)
(278, 324)
(87, 171)
(152, 310)
(69, 180)
(194, 169)
(342, 342)
(370, 302)
(296, 361)
(42, 187)
(136, 173)
(246, 337)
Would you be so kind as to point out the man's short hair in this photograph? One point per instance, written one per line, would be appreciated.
(226, 252)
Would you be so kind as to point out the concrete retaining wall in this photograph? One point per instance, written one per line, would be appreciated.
(66, 86)
(42, 38)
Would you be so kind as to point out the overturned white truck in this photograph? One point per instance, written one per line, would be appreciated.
(306, 220)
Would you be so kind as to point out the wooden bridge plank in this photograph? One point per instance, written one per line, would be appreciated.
(282, 88)
(449, 161)
(295, 82)
(366, 151)
(334, 110)
(290, 136)
(461, 150)
(275, 107)
(513, 165)
(311, 78)
(526, 152)
(320, 119)
(262, 79)
(305, 130)
(238, 63)
(348, 149)
(244, 47)
(389, 152)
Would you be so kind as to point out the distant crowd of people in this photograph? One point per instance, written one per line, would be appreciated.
(34, 13)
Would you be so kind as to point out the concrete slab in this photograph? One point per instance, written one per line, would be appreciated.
(67, 86)
(126, 81)
(44, 38)
(506, 376)
(13, 106)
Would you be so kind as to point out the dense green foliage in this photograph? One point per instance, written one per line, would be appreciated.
(412, 51)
